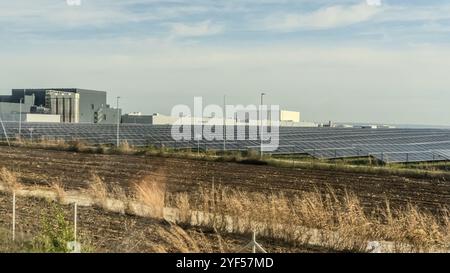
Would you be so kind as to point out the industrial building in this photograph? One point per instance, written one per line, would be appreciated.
(72, 105)
(287, 119)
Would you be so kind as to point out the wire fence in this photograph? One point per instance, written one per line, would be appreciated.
(75, 246)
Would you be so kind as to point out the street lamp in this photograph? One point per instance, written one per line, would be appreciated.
(20, 119)
(20, 115)
(261, 123)
(118, 123)
(199, 136)
(31, 134)
(224, 123)
(4, 129)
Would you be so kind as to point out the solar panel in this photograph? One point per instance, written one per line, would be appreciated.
(444, 153)
(388, 145)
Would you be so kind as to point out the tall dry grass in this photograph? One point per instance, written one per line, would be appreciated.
(177, 240)
(9, 180)
(58, 187)
(151, 191)
(124, 148)
(98, 189)
(340, 224)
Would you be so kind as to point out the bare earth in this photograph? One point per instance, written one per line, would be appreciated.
(75, 169)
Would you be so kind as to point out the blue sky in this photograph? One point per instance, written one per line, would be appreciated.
(331, 60)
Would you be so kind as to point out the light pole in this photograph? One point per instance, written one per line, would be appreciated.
(118, 123)
(20, 119)
(224, 123)
(4, 129)
(198, 143)
(261, 123)
(20, 115)
(31, 134)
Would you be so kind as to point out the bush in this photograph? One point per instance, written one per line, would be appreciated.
(55, 232)
(77, 146)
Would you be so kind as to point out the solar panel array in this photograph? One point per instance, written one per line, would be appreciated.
(388, 145)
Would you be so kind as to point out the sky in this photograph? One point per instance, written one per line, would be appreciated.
(351, 61)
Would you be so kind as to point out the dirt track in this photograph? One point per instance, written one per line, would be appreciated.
(74, 169)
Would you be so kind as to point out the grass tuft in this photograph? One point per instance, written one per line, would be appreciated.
(151, 191)
(9, 180)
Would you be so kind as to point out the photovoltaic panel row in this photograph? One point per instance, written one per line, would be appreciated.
(411, 156)
(390, 145)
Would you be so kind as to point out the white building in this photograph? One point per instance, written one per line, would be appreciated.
(31, 117)
(286, 119)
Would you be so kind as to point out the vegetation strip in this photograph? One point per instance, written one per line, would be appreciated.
(344, 226)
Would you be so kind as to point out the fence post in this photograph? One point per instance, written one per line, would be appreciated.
(74, 246)
(14, 217)
(254, 245)
(75, 221)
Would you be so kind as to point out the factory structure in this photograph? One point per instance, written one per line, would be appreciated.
(286, 119)
(75, 105)
(58, 105)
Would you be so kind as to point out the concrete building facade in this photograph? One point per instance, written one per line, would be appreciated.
(10, 106)
(74, 105)
(30, 117)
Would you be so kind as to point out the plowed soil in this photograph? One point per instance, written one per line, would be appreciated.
(38, 166)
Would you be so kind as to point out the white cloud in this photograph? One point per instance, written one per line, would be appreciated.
(52, 14)
(204, 28)
(324, 18)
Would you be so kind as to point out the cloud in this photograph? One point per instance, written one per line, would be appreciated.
(50, 15)
(204, 28)
(323, 18)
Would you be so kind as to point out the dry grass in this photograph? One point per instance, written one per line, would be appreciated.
(419, 228)
(339, 224)
(77, 146)
(45, 143)
(58, 187)
(178, 240)
(151, 191)
(183, 204)
(307, 218)
(9, 180)
(98, 190)
(110, 197)
(117, 192)
(124, 148)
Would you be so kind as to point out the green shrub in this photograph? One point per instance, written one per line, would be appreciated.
(55, 232)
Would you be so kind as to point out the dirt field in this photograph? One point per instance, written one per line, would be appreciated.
(74, 170)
